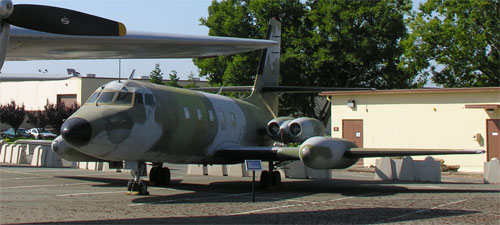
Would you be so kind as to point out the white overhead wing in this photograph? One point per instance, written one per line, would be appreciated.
(27, 44)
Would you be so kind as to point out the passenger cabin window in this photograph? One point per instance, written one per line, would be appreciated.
(211, 115)
(138, 98)
(198, 111)
(93, 97)
(233, 118)
(106, 97)
(149, 99)
(186, 113)
(124, 98)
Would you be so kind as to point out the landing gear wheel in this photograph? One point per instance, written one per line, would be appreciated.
(164, 176)
(264, 180)
(153, 174)
(143, 188)
(276, 179)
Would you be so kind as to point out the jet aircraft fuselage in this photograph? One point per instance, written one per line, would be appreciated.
(138, 121)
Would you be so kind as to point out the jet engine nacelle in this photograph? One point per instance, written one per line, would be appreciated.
(326, 153)
(63, 150)
(287, 129)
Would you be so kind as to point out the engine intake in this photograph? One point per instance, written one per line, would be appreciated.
(287, 129)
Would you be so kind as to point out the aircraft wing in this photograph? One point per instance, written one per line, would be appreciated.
(292, 153)
(262, 153)
(388, 152)
(25, 44)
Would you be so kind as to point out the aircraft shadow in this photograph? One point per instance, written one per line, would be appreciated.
(334, 216)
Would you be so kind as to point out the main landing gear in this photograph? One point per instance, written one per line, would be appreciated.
(270, 179)
(158, 175)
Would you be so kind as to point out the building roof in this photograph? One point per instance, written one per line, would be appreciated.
(411, 91)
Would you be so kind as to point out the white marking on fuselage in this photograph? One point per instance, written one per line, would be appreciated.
(228, 134)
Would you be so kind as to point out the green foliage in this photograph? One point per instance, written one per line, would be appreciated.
(323, 43)
(174, 79)
(12, 114)
(156, 76)
(462, 36)
(37, 118)
(57, 113)
(193, 82)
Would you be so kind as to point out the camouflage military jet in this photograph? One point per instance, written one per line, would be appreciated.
(135, 123)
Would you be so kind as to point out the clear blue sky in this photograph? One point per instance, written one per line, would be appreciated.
(166, 16)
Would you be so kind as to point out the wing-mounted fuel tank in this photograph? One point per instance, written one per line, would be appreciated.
(326, 153)
(63, 150)
(287, 129)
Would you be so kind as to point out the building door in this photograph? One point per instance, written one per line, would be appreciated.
(67, 99)
(493, 138)
(353, 130)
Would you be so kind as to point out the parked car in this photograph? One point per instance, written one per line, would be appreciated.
(41, 133)
(21, 132)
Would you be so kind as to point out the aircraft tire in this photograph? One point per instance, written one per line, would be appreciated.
(130, 185)
(264, 180)
(154, 174)
(143, 188)
(164, 176)
(276, 179)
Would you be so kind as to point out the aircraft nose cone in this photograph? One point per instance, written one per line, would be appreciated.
(76, 131)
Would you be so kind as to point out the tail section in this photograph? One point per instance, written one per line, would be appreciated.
(268, 72)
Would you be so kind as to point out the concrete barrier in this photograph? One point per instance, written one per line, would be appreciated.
(197, 169)
(428, 170)
(385, 169)
(491, 173)
(3, 152)
(237, 170)
(8, 153)
(43, 156)
(19, 155)
(217, 170)
(405, 169)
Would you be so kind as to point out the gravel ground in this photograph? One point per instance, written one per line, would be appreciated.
(70, 196)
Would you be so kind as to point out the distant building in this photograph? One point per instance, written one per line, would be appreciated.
(441, 118)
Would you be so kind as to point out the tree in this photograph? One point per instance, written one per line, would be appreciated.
(37, 118)
(174, 79)
(192, 80)
(156, 76)
(57, 113)
(457, 42)
(12, 115)
(323, 43)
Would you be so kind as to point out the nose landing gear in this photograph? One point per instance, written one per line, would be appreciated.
(136, 186)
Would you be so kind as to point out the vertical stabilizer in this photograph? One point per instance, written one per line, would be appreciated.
(268, 71)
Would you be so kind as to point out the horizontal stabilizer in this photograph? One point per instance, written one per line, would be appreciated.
(387, 152)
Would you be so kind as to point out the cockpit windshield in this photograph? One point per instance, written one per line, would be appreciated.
(123, 98)
(106, 97)
(115, 97)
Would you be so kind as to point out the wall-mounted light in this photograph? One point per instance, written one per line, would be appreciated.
(351, 103)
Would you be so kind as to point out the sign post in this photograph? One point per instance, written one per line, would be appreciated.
(253, 165)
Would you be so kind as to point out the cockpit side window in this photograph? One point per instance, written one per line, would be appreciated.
(106, 97)
(123, 98)
(93, 97)
(138, 98)
(149, 99)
